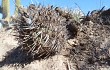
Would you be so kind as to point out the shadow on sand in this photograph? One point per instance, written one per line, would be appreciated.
(16, 56)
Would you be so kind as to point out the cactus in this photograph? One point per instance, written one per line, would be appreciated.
(43, 31)
(0, 9)
(18, 3)
(6, 10)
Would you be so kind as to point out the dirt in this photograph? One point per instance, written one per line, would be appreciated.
(7, 42)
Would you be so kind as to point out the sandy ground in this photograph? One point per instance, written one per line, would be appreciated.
(7, 42)
(55, 63)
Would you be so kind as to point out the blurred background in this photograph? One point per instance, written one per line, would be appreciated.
(83, 5)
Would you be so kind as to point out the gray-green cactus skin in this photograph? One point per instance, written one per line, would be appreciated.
(18, 4)
(0, 9)
(6, 9)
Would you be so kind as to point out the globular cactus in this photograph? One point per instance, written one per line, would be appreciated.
(44, 31)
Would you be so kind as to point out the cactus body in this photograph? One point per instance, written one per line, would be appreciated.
(6, 9)
(0, 9)
(18, 3)
(43, 31)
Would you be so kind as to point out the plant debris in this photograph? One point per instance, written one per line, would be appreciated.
(94, 41)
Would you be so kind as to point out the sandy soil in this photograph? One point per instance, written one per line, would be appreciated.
(7, 42)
